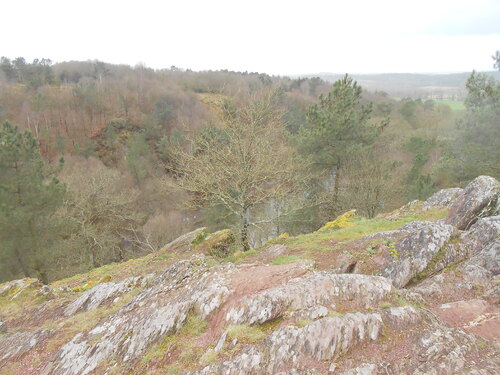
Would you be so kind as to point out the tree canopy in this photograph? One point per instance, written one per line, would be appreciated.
(338, 127)
(242, 165)
(29, 196)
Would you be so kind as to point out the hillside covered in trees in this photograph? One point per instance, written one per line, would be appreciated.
(101, 163)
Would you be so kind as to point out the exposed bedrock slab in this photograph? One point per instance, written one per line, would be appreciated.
(320, 288)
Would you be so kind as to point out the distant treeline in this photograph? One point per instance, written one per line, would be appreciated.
(449, 86)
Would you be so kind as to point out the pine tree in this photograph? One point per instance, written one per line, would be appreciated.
(338, 127)
(29, 196)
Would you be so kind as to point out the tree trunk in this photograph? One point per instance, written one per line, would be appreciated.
(42, 275)
(244, 230)
(336, 184)
(94, 258)
(22, 265)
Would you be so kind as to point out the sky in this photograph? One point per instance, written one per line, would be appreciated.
(271, 36)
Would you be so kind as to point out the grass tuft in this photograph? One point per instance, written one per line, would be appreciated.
(285, 259)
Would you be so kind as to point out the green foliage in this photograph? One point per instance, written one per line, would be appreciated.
(368, 185)
(474, 149)
(86, 148)
(209, 136)
(408, 110)
(166, 147)
(338, 126)
(138, 156)
(338, 129)
(163, 112)
(419, 185)
(342, 221)
(385, 108)
(34, 74)
(29, 197)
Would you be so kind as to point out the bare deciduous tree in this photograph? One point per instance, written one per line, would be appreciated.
(242, 166)
(368, 184)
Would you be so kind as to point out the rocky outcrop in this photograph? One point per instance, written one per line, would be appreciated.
(427, 304)
(443, 198)
(16, 288)
(323, 340)
(321, 288)
(101, 293)
(183, 244)
(479, 199)
(17, 344)
(415, 252)
(156, 311)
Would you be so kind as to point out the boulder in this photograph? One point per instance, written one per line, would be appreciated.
(45, 291)
(479, 199)
(217, 244)
(443, 198)
(184, 243)
(415, 252)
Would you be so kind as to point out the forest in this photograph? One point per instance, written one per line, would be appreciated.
(101, 163)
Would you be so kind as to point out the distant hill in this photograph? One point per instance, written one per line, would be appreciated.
(425, 86)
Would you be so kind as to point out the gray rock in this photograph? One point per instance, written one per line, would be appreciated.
(485, 265)
(322, 340)
(483, 232)
(251, 361)
(311, 313)
(414, 252)
(364, 369)
(3, 327)
(319, 288)
(466, 244)
(445, 351)
(183, 243)
(45, 291)
(17, 287)
(479, 199)
(274, 250)
(155, 312)
(101, 293)
(443, 198)
(220, 343)
(17, 344)
(346, 263)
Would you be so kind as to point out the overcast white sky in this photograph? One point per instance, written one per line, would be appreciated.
(276, 37)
